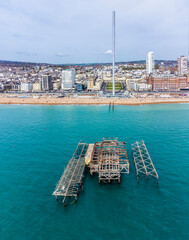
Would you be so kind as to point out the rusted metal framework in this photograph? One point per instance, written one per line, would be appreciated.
(142, 161)
(71, 180)
(109, 160)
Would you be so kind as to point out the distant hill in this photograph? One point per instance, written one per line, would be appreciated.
(17, 63)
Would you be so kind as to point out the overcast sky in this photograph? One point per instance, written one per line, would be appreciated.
(79, 31)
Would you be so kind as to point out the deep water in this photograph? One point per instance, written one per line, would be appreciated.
(36, 143)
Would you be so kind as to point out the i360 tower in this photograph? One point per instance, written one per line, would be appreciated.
(113, 52)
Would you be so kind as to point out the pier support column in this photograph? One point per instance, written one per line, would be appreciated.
(119, 180)
(137, 178)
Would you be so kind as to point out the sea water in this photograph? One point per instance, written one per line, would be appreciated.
(36, 143)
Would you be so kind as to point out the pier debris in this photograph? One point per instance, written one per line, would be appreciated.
(142, 161)
(109, 160)
(89, 153)
(111, 106)
(70, 182)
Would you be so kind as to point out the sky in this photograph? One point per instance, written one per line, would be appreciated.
(80, 31)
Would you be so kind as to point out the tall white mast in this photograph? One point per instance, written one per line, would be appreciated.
(113, 51)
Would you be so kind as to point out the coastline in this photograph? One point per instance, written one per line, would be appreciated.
(91, 101)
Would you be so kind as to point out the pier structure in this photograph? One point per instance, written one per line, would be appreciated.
(109, 159)
(111, 106)
(70, 182)
(143, 162)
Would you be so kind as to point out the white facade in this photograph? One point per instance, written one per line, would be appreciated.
(132, 85)
(26, 86)
(68, 79)
(182, 66)
(144, 86)
(37, 86)
(97, 86)
(150, 63)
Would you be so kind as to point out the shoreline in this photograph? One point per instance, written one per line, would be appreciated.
(90, 101)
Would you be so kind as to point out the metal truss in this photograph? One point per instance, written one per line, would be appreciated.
(109, 160)
(71, 180)
(142, 161)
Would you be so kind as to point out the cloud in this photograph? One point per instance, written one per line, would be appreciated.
(60, 54)
(51, 26)
(108, 52)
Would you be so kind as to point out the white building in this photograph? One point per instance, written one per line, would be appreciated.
(68, 78)
(144, 87)
(37, 86)
(150, 63)
(182, 66)
(26, 87)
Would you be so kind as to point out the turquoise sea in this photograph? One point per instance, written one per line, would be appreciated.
(36, 142)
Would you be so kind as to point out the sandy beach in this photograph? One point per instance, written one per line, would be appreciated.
(90, 101)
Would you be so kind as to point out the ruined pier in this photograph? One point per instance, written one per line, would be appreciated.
(108, 160)
(143, 162)
(70, 182)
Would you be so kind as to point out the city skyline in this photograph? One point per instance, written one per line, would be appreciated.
(67, 33)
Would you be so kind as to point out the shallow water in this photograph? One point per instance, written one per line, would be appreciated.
(36, 142)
